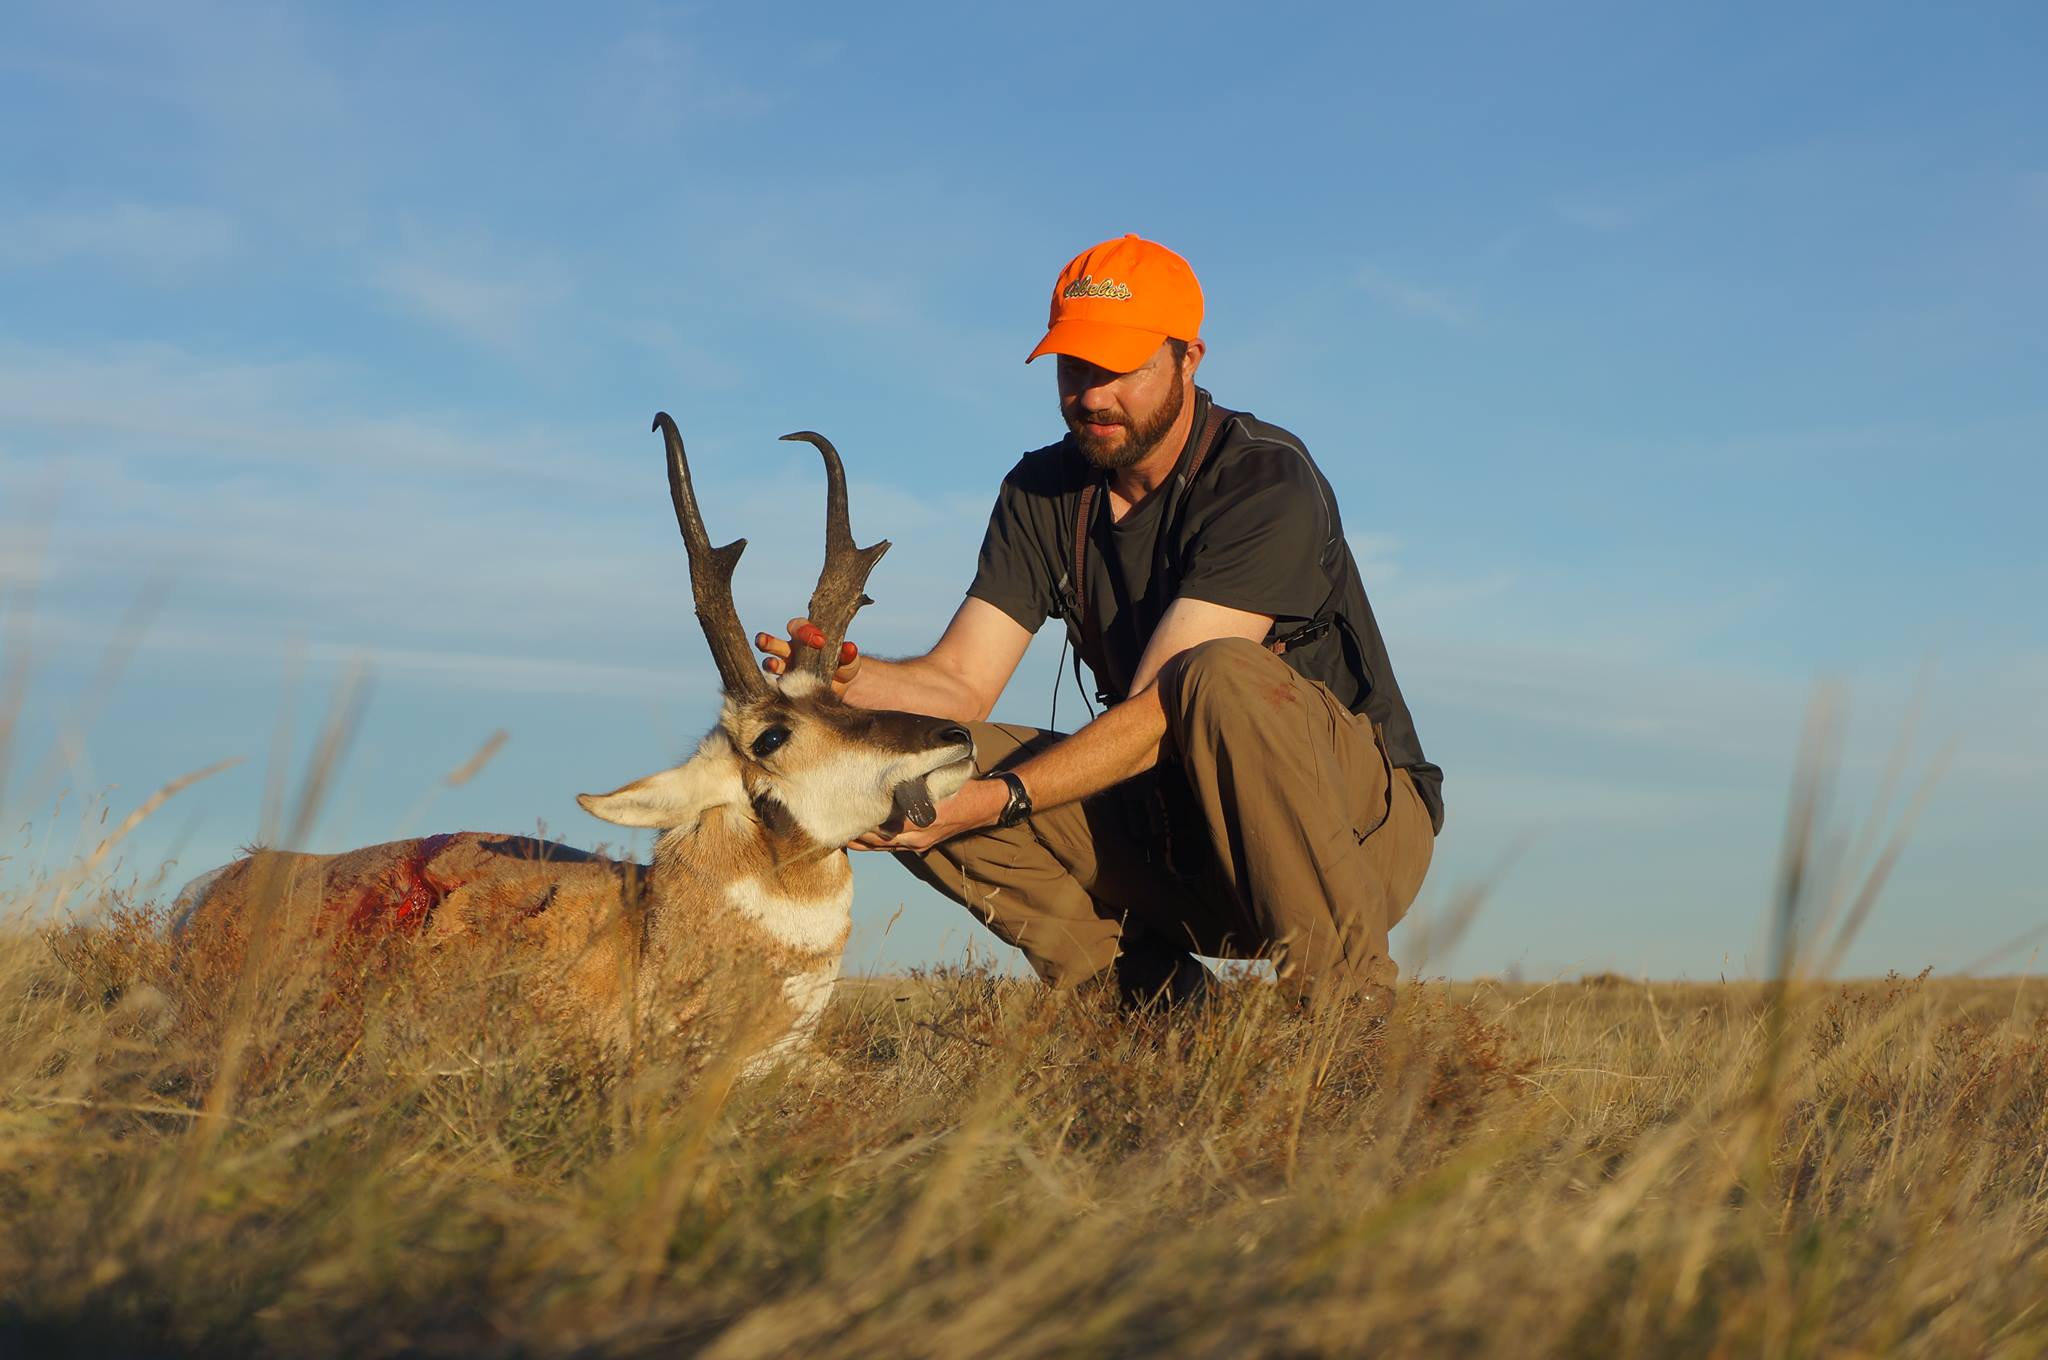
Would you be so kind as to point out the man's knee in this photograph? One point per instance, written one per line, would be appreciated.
(1229, 663)
(1223, 676)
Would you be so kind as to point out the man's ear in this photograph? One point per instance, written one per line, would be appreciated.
(674, 798)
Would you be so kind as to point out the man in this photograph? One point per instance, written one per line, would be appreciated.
(1254, 786)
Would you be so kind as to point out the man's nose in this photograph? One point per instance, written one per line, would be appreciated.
(1096, 392)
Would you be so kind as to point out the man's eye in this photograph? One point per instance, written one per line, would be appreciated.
(770, 741)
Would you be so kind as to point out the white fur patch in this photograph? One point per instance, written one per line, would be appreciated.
(809, 993)
(814, 927)
(852, 795)
(839, 799)
(798, 684)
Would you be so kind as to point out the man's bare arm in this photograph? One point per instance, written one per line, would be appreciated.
(1123, 742)
(1126, 739)
(960, 677)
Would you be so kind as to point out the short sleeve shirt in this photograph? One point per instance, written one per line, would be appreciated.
(1256, 528)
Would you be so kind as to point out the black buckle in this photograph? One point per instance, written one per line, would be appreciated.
(1305, 634)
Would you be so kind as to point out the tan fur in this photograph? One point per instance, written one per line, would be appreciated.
(746, 909)
(743, 913)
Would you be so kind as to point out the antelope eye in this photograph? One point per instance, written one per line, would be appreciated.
(770, 741)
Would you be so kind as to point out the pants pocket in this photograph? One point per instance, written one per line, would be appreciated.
(1360, 777)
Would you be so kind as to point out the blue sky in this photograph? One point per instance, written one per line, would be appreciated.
(1665, 363)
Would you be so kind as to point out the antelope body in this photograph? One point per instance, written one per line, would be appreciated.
(750, 893)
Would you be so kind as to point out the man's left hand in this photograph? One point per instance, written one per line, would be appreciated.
(977, 804)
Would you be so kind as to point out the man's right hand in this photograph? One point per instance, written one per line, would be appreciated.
(779, 654)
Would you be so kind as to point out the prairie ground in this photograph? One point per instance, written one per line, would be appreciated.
(296, 1152)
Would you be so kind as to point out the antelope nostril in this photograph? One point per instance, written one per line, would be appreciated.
(955, 735)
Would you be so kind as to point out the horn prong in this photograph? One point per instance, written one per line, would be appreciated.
(843, 578)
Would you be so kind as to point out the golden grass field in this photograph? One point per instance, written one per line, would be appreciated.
(303, 1151)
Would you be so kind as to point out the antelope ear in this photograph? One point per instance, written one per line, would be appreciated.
(673, 798)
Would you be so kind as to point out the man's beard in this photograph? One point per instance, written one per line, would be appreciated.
(1137, 442)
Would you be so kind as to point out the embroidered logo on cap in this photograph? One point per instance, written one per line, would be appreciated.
(1087, 287)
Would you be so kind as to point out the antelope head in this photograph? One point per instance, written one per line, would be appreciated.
(809, 770)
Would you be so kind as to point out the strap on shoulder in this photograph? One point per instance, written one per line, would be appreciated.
(1212, 435)
(1084, 510)
(1077, 574)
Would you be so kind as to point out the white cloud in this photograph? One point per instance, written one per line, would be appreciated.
(156, 401)
(1411, 297)
(1377, 556)
(711, 369)
(156, 239)
(1538, 803)
(500, 306)
(503, 561)
(215, 642)
(1605, 689)
(816, 255)
(653, 85)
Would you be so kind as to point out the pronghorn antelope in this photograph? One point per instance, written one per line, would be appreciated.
(750, 878)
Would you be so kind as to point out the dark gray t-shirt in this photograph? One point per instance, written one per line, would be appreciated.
(1257, 529)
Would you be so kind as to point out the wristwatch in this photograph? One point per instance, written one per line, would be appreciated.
(1019, 806)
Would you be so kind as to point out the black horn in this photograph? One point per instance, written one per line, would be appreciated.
(710, 575)
(844, 576)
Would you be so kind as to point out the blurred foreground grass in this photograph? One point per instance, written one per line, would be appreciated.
(305, 1154)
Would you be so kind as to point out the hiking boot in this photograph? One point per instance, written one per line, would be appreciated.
(1151, 973)
(1375, 1002)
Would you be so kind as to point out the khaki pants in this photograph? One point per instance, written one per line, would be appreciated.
(1291, 838)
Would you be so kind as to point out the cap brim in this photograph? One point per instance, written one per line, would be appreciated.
(1104, 344)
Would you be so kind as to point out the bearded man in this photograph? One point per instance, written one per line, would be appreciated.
(1253, 786)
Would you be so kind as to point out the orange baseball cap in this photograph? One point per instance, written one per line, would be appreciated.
(1114, 303)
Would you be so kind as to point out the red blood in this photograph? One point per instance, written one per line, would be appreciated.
(813, 637)
(407, 897)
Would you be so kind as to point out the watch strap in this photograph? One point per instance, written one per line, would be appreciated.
(1019, 806)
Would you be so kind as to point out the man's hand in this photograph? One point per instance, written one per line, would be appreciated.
(779, 653)
(978, 803)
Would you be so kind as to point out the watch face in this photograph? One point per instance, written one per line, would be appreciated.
(1019, 806)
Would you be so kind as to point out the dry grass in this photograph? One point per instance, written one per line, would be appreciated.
(305, 1151)
(279, 1144)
